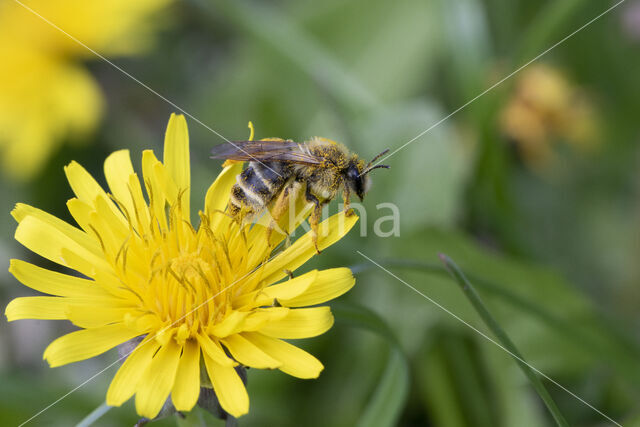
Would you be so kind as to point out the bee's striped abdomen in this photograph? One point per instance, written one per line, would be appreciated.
(256, 186)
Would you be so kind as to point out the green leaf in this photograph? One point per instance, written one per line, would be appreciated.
(506, 342)
(539, 306)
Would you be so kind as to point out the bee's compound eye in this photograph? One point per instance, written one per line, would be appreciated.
(353, 173)
(354, 180)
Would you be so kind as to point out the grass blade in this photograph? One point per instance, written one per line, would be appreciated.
(504, 340)
(621, 351)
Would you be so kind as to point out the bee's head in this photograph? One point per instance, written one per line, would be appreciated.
(357, 174)
(357, 182)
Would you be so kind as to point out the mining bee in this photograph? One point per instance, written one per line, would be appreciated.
(276, 166)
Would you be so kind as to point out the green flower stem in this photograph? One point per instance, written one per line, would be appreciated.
(94, 415)
(504, 340)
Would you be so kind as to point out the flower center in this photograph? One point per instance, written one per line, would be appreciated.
(183, 278)
(185, 290)
(190, 268)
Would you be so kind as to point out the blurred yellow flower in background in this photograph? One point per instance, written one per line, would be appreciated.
(194, 293)
(46, 94)
(544, 108)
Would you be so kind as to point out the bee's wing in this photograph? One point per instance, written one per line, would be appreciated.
(266, 150)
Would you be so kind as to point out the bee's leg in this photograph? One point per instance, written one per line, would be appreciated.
(238, 214)
(227, 214)
(289, 273)
(346, 199)
(315, 217)
(313, 221)
(279, 208)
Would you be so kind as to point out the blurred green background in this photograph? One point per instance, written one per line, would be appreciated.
(533, 189)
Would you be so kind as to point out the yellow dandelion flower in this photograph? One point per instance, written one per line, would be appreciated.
(46, 95)
(208, 293)
(545, 107)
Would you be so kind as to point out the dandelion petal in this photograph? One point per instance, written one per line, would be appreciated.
(87, 343)
(22, 211)
(124, 384)
(300, 323)
(176, 158)
(48, 241)
(51, 282)
(303, 249)
(295, 361)
(155, 386)
(117, 168)
(228, 386)
(187, 386)
(218, 193)
(86, 188)
(247, 353)
(52, 308)
(328, 284)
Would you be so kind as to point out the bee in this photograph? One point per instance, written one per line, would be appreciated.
(277, 165)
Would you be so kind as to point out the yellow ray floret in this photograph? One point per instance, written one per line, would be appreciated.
(193, 293)
(48, 95)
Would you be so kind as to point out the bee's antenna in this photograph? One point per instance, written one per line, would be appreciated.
(366, 171)
(375, 158)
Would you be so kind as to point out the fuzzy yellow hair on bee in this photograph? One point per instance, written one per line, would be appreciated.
(276, 166)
